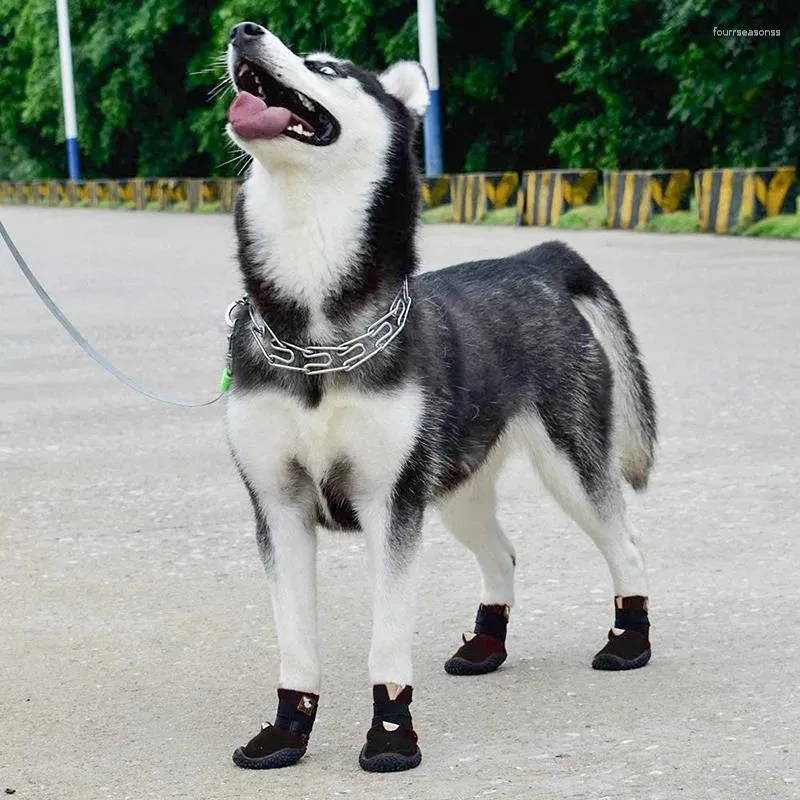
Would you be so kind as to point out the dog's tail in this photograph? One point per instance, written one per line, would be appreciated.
(633, 405)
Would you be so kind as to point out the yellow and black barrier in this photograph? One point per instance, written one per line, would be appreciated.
(544, 195)
(633, 197)
(435, 191)
(474, 195)
(731, 198)
(138, 193)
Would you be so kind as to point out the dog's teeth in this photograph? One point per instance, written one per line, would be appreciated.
(300, 130)
(243, 70)
(305, 101)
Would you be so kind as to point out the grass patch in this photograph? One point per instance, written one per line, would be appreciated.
(676, 222)
(209, 208)
(500, 216)
(737, 229)
(437, 215)
(583, 217)
(784, 226)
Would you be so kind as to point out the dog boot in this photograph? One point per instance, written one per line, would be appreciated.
(628, 644)
(484, 650)
(391, 742)
(285, 742)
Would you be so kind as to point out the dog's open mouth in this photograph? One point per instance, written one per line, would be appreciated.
(265, 109)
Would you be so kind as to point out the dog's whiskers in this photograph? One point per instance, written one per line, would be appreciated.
(235, 160)
(246, 164)
(219, 90)
(216, 69)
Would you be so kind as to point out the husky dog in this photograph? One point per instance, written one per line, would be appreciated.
(363, 394)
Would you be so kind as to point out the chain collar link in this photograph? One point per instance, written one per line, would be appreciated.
(322, 359)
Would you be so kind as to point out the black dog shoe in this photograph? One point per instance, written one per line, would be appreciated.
(391, 744)
(627, 650)
(271, 748)
(285, 742)
(478, 655)
(629, 647)
(389, 748)
(485, 650)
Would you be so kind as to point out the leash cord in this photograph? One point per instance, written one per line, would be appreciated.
(81, 341)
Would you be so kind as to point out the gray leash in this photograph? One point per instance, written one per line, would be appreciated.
(81, 341)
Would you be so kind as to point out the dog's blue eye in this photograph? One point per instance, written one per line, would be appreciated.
(323, 69)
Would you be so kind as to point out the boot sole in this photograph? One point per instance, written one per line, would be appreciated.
(276, 760)
(612, 663)
(389, 762)
(460, 666)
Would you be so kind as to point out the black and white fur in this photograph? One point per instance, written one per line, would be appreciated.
(531, 351)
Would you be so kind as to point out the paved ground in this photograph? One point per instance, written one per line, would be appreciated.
(136, 642)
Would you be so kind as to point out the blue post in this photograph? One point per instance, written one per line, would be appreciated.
(433, 136)
(68, 90)
(73, 160)
(429, 58)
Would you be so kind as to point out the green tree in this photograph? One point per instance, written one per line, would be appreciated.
(525, 83)
(654, 87)
(736, 98)
(29, 125)
(132, 96)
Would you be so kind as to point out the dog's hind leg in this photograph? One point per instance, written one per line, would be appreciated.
(586, 481)
(469, 513)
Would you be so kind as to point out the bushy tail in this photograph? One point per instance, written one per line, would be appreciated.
(634, 408)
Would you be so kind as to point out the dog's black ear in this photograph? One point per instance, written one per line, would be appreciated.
(406, 80)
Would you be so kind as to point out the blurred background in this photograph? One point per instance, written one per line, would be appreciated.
(525, 84)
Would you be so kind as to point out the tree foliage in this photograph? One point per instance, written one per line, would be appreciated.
(654, 86)
(525, 83)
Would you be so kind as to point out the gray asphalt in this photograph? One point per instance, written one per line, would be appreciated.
(136, 639)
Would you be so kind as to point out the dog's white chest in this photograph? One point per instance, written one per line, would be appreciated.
(373, 433)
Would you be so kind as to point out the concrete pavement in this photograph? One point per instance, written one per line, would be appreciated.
(136, 642)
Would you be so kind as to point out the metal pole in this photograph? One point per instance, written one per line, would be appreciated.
(429, 58)
(68, 90)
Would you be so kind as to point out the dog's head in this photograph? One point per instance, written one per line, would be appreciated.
(317, 112)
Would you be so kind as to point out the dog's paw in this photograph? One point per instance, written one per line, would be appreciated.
(271, 748)
(626, 650)
(389, 748)
(478, 655)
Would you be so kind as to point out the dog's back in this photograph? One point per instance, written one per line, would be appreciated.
(541, 332)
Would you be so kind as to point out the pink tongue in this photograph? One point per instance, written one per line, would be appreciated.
(251, 118)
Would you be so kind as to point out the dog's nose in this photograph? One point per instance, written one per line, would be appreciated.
(246, 32)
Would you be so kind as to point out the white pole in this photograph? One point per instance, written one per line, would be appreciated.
(429, 58)
(68, 90)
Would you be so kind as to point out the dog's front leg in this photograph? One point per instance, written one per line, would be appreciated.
(393, 529)
(288, 544)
